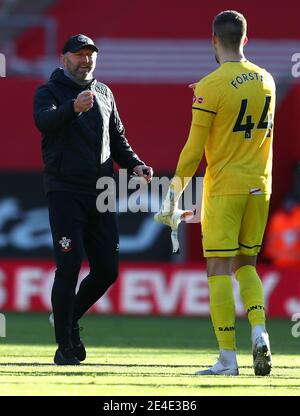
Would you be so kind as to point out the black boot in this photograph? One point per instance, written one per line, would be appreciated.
(65, 356)
(78, 347)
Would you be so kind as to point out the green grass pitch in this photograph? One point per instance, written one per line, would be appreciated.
(141, 356)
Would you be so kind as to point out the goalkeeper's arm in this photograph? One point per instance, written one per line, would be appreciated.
(187, 165)
(189, 160)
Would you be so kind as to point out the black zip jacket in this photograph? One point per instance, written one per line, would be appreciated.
(77, 149)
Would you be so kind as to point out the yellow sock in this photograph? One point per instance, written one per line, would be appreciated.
(222, 310)
(252, 294)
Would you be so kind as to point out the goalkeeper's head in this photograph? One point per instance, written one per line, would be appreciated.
(229, 32)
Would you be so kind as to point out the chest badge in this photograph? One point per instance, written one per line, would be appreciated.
(65, 244)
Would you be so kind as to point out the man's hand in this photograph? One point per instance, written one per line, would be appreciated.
(173, 219)
(166, 214)
(84, 101)
(144, 171)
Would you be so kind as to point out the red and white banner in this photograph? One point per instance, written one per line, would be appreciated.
(145, 289)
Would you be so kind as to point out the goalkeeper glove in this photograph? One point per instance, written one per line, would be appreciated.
(171, 215)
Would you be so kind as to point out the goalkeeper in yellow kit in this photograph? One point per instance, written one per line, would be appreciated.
(232, 121)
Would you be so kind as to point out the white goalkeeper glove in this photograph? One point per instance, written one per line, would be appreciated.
(172, 216)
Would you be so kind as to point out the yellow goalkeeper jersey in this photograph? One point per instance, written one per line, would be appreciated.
(237, 103)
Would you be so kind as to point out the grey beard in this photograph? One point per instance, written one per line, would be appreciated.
(81, 82)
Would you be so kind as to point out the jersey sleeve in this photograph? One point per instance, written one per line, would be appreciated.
(191, 155)
(205, 103)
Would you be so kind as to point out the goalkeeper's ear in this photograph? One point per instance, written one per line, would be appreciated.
(193, 86)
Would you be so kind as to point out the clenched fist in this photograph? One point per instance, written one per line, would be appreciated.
(84, 101)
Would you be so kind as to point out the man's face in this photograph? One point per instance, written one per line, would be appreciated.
(80, 64)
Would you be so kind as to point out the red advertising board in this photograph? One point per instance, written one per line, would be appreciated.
(145, 289)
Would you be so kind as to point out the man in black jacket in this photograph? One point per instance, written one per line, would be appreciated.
(82, 135)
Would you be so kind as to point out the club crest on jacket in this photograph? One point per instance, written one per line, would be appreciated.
(65, 244)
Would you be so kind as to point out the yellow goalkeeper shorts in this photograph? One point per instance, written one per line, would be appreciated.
(233, 224)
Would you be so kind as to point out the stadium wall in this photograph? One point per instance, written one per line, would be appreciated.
(145, 289)
(160, 19)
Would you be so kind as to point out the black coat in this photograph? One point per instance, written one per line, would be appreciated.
(77, 149)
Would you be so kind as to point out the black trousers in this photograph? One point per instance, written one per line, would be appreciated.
(78, 227)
